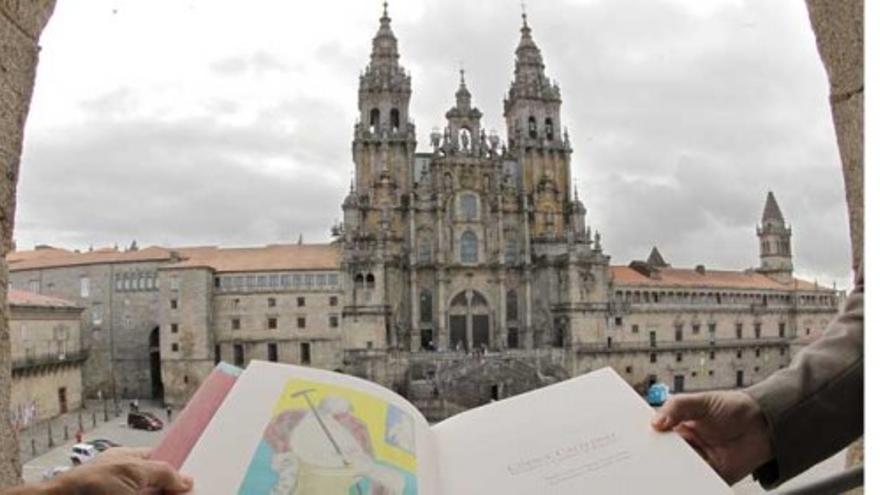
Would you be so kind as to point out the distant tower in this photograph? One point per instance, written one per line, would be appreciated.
(775, 238)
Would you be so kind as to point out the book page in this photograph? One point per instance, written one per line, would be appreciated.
(590, 434)
(300, 431)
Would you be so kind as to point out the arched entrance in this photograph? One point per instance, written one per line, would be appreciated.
(157, 389)
(469, 321)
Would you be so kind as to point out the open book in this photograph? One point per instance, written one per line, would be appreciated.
(288, 430)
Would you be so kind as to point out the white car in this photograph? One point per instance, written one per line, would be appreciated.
(82, 453)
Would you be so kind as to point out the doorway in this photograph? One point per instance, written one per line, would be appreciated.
(157, 389)
(470, 322)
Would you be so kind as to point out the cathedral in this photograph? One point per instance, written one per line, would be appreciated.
(458, 276)
(480, 244)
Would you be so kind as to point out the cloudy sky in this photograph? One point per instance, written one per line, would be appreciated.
(181, 122)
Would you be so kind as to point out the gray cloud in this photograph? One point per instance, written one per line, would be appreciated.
(681, 123)
(259, 63)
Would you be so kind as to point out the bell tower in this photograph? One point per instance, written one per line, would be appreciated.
(775, 238)
(532, 114)
(384, 142)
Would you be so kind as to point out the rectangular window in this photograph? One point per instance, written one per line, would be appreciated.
(272, 352)
(333, 280)
(34, 286)
(272, 323)
(679, 333)
(653, 357)
(678, 357)
(758, 352)
(300, 302)
(712, 329)
(271, 302)
(695, 328)
(236, 324)
(781, 330)
(334, 322)
(740, 378)
(305, 353)
(174, 304)
(175, 283)
(309, 281)
(678, 384)
(712, 355)
(285, 280)
(618, 321)
(739, 354)
(757, 330)
(635, 329)
(320, 280)
(739, 330)
(175, 347)
(301, 322)
(174, 328)
(334, 301)
(84, 287)
(273, 280)
(218, 355)
(238, 352)
(653, 337)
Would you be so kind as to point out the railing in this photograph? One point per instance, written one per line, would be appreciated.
(837, 483)
(49, 359)
(601, 347)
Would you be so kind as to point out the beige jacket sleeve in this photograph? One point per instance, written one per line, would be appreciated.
(815, 407)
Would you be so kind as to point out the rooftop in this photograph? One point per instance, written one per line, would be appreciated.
(715, 279)
(20, 298)
(265, 258)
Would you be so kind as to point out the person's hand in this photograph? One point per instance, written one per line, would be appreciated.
(728, 430)
(121, 471)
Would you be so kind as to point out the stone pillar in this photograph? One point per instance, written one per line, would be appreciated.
(21, 22)
(839, 29)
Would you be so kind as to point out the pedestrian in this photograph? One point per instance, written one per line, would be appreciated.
(168, 412)
(79, 436)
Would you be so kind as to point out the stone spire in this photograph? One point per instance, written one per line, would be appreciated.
(384, 43)
(771, 210)
(463, 95)
(530, 80)
(655, 259)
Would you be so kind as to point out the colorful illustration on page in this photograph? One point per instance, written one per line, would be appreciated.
(330, 440)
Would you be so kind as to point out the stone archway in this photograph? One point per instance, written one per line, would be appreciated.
(470, 321)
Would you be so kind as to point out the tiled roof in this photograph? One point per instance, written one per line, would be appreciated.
(53, 257)
(266, 258)
(715, 279)
(30, 299)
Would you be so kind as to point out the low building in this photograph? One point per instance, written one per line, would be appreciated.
(47, 357)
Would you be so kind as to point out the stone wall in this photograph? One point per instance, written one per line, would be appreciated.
(117, 321)
(21, 23)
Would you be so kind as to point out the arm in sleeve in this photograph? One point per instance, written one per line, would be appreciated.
(815, 407)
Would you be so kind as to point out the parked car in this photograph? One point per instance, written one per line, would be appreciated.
(81, 453)
(657, 394)
(55, 471)
(102, 444)
(144, 421)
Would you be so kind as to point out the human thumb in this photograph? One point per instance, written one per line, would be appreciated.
(680, 408)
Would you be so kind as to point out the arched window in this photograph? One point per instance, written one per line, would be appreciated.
(469, 249)
(468, 206)
(371, 281)
(548, 129)
(426, 307)
(533, 128)
(512, 306)
(359, 281)
(395, 119)
(374, 120)
(424, 255)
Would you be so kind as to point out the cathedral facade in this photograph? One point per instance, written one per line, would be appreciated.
(480, 244)
(458, 276)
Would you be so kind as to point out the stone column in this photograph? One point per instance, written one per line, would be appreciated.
(21, 22)
(839, 29)
(838, 26)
